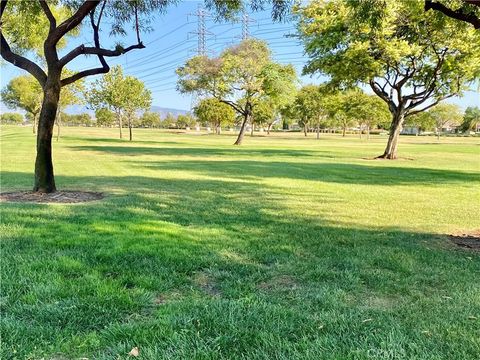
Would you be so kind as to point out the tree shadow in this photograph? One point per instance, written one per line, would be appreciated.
(156, 253)
(202, 151)
(326, 172)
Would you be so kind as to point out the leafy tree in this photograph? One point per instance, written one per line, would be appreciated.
(369, 111)
(422, 121)
(471, 119)
(340, 107)
(309, 107)
(24, 92)
(104, 117)
(150, 119)
(125, 95)
(135, 97)
(185, 121)
(169, 121)
(444, 114)
(239, 77)
(411, 59)
(212, 110)
(49, 24)
(83, 119)
(264, 114)
(463, 10)
(11, 118)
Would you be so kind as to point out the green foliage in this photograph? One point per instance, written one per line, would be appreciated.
(368, 110)
(104, 117)
(11, 118)
(215, 112)
(123, 94)
(471, 119)
(169, 122)
(309, 105)
(150, 119)
(446, 114)
(240, 76)
(83, 119)
(184, 121)
(23, 92)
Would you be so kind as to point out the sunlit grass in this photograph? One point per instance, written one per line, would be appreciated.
(285, 247)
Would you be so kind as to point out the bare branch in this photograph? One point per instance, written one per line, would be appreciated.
(410, 113)
(20, 61)
(85, 73)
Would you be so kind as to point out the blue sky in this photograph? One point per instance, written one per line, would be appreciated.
(173, 41)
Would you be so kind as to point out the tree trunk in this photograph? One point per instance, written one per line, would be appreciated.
(58, 123)
(252, 129)
(219, 130)
(119, 119)
(305, 129)
(344, 130)
(392, 144)
(34, 119)
(130, 128)
(438, 133)
(246, 118)
(318, 132)
(44, 177)
(368, 132)
(269, 128)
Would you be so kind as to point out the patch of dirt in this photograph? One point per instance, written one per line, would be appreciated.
(470, 240)
(283, 282)
(206, 283)
(59, 197)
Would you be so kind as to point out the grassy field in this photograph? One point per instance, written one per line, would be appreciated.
(283, 248)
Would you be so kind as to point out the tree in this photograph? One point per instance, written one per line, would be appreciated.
(215, 112)
(445, 114)
(24, 92)
(465, 10)
(125, 95)
(471, 119)
(169, 121)
(136, 97)
(150, 119)
(368, 111)
(185, 121)
(54, 25)
(104, 117)
(11, 118)
(309, 107)
(264, 114)
(239, 77)
(411, 59)
(340, 107)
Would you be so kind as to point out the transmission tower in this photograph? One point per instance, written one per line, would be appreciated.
(201, 14)
(246, 21)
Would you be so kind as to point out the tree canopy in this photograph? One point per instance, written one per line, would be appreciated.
(411, 59)
(215, 112)
(241, 76)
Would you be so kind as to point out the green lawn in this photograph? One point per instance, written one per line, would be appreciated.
(283, 248)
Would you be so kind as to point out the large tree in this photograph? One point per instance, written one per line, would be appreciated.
(45, 27)
(411, 59)
(24, 92)
(241, 76)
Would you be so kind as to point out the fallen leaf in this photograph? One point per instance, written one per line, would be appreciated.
(134, 352)
(367, 320)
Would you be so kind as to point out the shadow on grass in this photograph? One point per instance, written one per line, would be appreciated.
(200, 151)
(204, 250)
(327, 172)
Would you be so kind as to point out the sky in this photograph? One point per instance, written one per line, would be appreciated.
(174, 39)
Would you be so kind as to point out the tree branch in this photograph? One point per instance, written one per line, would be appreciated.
(20, 61)
(83, 50)
(430, 105)
(48, 13)
(454, 14)
(73, 21)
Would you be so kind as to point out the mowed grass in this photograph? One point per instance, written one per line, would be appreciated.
(283, 248)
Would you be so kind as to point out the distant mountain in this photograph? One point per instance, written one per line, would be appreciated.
(164, 111)
(79, 109)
